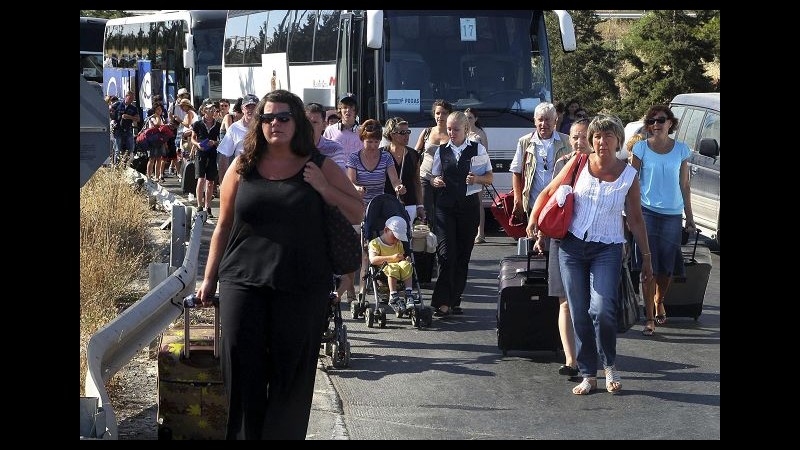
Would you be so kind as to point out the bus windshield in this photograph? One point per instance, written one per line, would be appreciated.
(495, 61)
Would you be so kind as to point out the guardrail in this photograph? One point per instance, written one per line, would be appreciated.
(117, 342)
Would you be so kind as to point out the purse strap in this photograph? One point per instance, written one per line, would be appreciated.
(578, 167)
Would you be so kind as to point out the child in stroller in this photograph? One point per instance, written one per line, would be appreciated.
(385, 215)
(387, 252)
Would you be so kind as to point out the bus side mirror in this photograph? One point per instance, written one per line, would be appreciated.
(374, 28)
(567, 30)
(188, 54)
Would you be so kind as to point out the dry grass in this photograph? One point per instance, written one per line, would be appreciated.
(115, 248)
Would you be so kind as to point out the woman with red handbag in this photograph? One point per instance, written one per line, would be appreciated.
(590, 256)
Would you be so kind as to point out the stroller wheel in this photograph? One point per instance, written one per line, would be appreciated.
(414, 321)
(341, 355)
(355, 309)
(426, 316)
(368, 317)
(328, 348)
(381, 316)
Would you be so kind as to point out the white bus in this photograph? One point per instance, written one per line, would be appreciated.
(398, 62)
(161, 53)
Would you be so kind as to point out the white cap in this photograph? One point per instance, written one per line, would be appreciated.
(182, 91)
(398, 226)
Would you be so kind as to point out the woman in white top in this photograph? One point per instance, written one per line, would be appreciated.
(590, 256)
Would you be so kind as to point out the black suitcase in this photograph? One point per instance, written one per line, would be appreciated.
(685, 294)
(527, 318)
(188, 177)
(423, 263)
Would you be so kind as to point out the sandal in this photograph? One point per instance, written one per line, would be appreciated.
(661, 319)
(613, 384)
(647, 330)
(586, 386)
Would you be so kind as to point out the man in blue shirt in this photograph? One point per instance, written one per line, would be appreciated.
(125, 115)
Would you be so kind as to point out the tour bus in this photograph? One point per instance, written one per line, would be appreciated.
(161, 53)
(92, 30)
(398, 62)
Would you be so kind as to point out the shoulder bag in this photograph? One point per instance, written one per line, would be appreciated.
(344, 244)
(554, 220)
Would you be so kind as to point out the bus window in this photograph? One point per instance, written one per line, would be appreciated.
(302, 37)
(235, 40)
(255, 38)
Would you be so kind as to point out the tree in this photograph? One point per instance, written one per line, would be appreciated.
(588, 73)
(668, 54)
(104, 13)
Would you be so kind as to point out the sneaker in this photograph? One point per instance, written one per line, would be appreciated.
(411, 299)
(397, 304)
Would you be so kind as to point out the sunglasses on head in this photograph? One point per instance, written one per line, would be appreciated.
(652, 121)
(372, 128)
(402, 132)
(282, 117)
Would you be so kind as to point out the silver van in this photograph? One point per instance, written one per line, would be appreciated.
(698, 127)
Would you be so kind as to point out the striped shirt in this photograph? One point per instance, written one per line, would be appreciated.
(372, 180)
(597, 216)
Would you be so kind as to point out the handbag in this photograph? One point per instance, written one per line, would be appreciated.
(628, 312)
(502, 209)
(344, 244)
(554, 220)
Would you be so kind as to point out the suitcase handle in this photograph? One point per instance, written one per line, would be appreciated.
(191, 301)
(696, 237)
(531, 254)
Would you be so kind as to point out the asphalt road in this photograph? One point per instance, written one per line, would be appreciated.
(450, 381)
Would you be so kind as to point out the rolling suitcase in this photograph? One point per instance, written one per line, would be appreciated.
(188, 177)
(192, 403)
(527, 318)
(685, 294)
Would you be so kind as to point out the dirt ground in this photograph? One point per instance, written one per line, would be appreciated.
(133, 392)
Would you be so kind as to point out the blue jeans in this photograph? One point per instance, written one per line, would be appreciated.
(591, 275)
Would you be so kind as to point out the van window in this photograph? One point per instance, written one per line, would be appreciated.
(710, 127)
(677, 111)
(688, 131)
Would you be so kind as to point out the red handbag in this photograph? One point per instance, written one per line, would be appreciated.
(502, 209)
(554, 220)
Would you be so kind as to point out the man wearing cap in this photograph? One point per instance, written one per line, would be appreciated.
(232, 144)
(346, 131)
(388, 248)
(205, 138)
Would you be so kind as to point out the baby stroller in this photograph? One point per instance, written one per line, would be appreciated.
(379, 210)
(334, 339)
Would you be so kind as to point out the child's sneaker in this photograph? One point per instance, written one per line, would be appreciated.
(411, 300)
(397, 304)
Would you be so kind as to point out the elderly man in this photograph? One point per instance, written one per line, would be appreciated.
(532, 167)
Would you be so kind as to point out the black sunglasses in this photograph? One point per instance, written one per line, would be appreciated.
(402, 132)
(652, 121)
(282, 117)
(372, 128)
